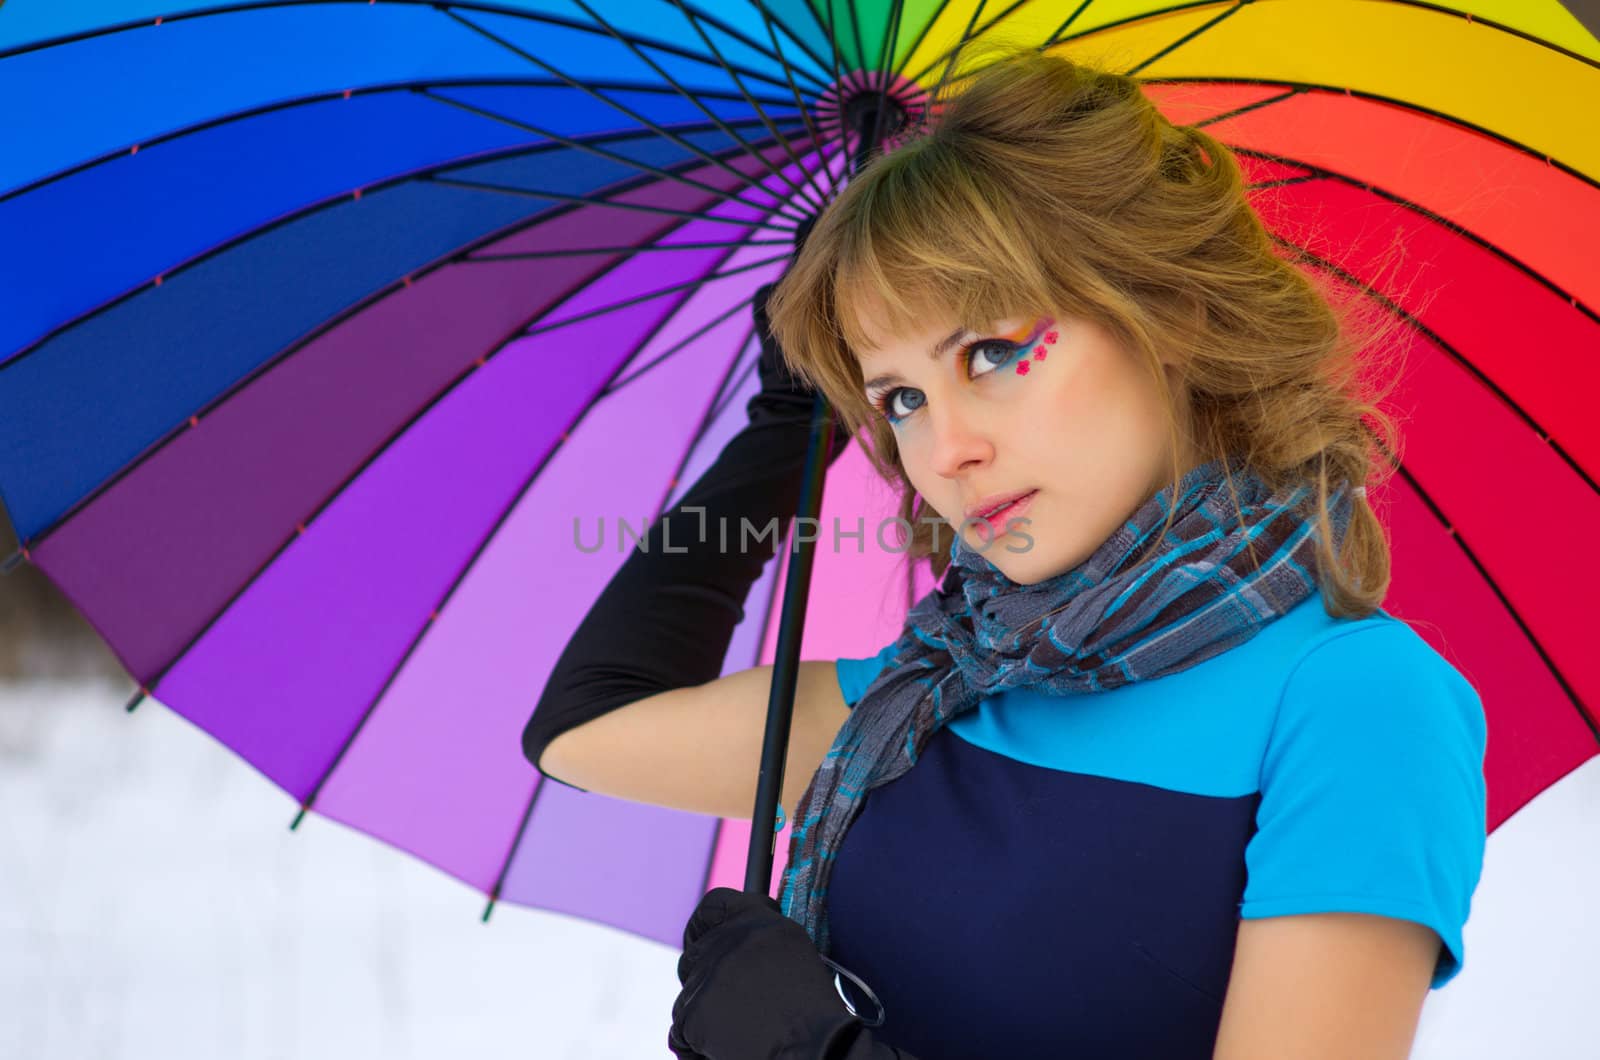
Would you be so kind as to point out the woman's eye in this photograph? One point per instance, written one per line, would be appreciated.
(890, 403)
(990, 354)
(981, 357)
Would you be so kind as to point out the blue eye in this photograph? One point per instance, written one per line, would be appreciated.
(987, 354)
(885, 403)
(992, 355)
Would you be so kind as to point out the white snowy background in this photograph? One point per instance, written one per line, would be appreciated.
(154, 904)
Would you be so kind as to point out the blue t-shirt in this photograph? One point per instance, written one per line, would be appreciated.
(1064, 875)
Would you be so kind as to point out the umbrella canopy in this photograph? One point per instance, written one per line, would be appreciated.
(334, 336)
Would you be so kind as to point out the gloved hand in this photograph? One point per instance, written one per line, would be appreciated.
(778, 383)
(680, 607)
(755, 988)
(783, 396)
(774, 371)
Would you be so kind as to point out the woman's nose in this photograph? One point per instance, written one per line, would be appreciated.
(959, 443)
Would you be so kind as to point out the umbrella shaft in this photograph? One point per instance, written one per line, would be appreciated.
(786, 661)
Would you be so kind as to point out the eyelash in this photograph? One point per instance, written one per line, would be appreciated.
(884, 401)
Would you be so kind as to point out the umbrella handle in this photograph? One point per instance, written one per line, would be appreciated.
(838, 970)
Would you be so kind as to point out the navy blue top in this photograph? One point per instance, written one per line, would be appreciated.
(1064, 875)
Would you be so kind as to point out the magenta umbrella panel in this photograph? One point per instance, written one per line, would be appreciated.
(335, 386)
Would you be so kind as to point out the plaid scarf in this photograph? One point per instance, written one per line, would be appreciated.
(1107, 622)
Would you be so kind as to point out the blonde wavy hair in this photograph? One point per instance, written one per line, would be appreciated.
(1048, 184)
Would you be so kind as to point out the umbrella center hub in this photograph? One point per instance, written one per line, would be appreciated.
(876, 108)
(873, 114)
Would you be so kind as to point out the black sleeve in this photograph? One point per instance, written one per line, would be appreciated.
(666, 618)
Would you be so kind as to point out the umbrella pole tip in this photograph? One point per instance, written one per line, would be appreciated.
(138, 697)
(13, 561)
(295, 824)
(489, 908)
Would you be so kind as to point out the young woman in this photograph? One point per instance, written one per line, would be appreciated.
(1150, 773)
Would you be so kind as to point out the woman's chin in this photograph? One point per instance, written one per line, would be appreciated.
(1011, 555)
(1025, 562)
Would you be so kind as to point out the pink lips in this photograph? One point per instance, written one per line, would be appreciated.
(997, 519)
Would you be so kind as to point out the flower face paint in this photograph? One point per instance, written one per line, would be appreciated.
(1041, 332)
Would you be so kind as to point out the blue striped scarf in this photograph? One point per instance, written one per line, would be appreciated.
(1107, 622)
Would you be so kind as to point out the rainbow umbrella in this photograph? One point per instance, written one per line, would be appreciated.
(323, 322)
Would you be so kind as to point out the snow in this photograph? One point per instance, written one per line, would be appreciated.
(154, 904)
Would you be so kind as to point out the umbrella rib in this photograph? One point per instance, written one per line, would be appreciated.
(955, 53)
(833, 52)
(760, 113)
(516, 841)
(855, 31)
(625, 251)
(776, 55)
(676, 347)
(692, 98)
(599, 96)
(805, 111)
(726, 398)
(885, 56)
(289, 351)
(659, 292)
(922, 35)
(1066, 24)
(1187, 37)
(612, 156)
(838, 84)
(1572, 695)
(1288, 93)
(966, 38)
(559, 196)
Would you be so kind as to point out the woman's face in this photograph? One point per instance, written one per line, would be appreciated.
(1054, 407)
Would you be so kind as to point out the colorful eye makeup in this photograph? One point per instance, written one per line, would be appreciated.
(1019, 347)
(1041, 336)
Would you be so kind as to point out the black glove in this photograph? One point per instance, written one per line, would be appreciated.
(776, 379)
(755, 988)
(680, 608)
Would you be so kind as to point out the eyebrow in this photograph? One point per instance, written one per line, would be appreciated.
(939, 349)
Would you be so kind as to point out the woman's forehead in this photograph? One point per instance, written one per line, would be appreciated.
(877, 325)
